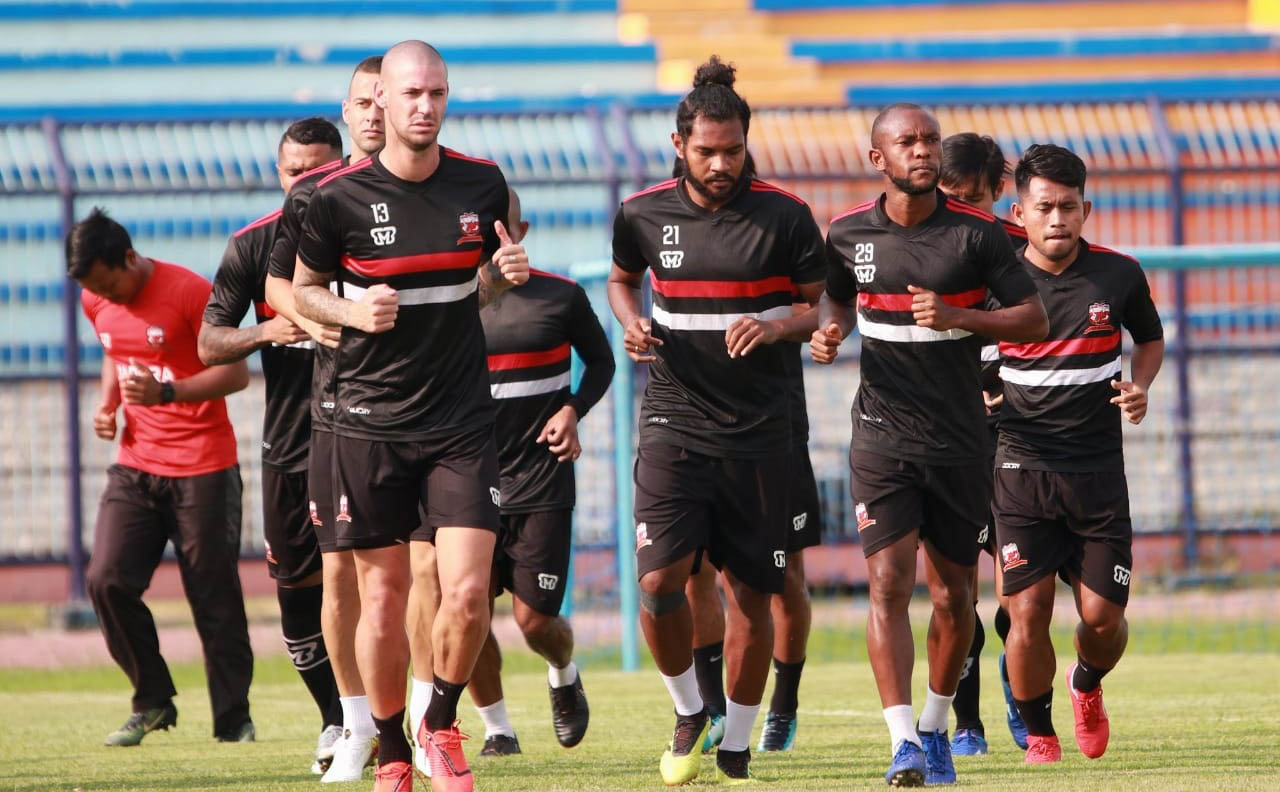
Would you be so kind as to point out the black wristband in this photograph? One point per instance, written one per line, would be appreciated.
(167, 394)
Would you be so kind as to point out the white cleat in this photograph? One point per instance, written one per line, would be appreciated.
(325, 747)
(350, 757)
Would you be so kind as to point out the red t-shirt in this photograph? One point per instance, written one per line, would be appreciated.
(159, 330)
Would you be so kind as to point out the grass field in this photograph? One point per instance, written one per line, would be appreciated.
(1205, 721)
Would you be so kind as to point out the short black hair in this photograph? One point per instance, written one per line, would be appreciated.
(1055, 163)
(96, 238)
(969, 156)
(312, 130)
(712, 98)
(883, 116)
(370, 65)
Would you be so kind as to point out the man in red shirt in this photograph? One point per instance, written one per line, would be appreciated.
(176, 477)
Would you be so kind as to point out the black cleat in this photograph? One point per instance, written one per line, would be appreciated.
(141, 723)
(779, 732)
(733, 767)
(245, 733)
(569, 713)
(500, 745)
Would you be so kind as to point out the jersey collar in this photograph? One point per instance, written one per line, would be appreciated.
(882, 218)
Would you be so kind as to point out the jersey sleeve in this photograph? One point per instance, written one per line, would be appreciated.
(841, 285)
(500, 207)
(89, 303)
(626, 252)
(320, 243)
(195, 297)
(284, 250)
(1007, 281)
(1141, 318)
(233, 288)
(808, 256)
(588, 338)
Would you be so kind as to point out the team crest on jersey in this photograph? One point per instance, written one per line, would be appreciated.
(343, 514)
(105, 338)
(469, 225)
(1012, 558)
(864, 519)
(671, 259)
(155, 336)
(642, 536)
(315, 514)
(1100, 318)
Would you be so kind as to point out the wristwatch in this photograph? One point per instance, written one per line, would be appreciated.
(166, 392)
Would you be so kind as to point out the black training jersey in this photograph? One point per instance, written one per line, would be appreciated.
(919, 399)
(239, 284)
(1057, 413)
(991, 352)
(793, 352)
(284, 252)
(709, 269)
(529, 333)
(425, 377)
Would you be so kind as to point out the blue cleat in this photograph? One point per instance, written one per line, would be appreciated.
(939, 769)
(779, 732)
(908, 766)
(715, 733)
(968, 742)
(1016, 727)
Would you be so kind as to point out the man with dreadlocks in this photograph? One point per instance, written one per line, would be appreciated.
(724, 251)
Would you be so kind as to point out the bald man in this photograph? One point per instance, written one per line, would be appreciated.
(919, 266)
(415, 236)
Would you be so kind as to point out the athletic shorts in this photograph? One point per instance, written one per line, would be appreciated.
(292, 550)
(734, 509)
(320, 489)
(987, 538)
(806, 509)
(1074, 524)
(380, 486)
(532, 558)
(948, 504)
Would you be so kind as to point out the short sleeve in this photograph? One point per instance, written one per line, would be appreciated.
(320, 242)
(1001, 271)
(233, 290)
(808, 254)
(90, 303)
(284, 251)
(626, 253)
(841, 286)
(196, 298)
(500, 208)
(1141, 318)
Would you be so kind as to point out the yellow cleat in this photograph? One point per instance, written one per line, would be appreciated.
(683, 757)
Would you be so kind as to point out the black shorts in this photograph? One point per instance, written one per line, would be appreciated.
(987, 536)
(948, 504)
(320, 489)
(532, 558)
(1075, 524)
(732, 508)
(287, 530)
(806, 509)
(380, 486)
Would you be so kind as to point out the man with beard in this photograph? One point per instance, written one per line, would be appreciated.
(415, 233)
(919, 266)
(724, 252)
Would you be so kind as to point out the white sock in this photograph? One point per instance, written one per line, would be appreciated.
(419, 698)
(560, 677)
(936, 712)
(495, 719)
(738, 722)
(684, 691)
(357, 717)
(902, 726)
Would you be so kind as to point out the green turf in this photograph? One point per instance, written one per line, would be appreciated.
(1180, 722)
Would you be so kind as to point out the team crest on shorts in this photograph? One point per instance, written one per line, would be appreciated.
(1099, 318)
(642, 536)
(155, 336)
(1012, 558)
(315, 514)
(271, 559)
(469, 225)
(864, 519)
(343, 514)
(799, 521)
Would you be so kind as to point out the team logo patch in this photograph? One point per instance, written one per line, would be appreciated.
(800, 521)
(105, 338)
(1120, 575)
(780, 559)
(155, 336)
(671, 259)
(865, 273)
(642, 536)
(864, 519)
(469, 225)
(983, 534)
(1100, 318)
(1012, 558)
(343, 514)
(383, 235)
(495, 496)
(315, 514)
(271, 559)
(548, 582)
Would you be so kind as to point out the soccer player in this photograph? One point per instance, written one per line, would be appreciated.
(293, 555)
(341, 604)
(919, 266)
(529, 333)
(415, 234)
(973, 171)
(1061, 500)
(176, 477)
(724, 252)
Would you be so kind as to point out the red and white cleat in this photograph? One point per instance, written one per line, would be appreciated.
(1093, 729)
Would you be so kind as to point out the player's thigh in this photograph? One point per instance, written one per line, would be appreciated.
(293, 552)
(320, 489)
(376, 489)
(1102, 532)
(750, 521)
(1031, 534)
(888, 500)
(957, 505)
(461, 485)
(207, 519)
(129, 535)
(537, 558)
(672, 505)
(805, 507)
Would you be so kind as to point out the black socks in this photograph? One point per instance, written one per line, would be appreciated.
(708, 667)
(786, 686)
(442, 710)
(300, 624)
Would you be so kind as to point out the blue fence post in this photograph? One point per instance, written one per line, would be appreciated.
(566, 607)
(623, 453)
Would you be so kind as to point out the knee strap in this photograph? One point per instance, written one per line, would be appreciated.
(662, 604)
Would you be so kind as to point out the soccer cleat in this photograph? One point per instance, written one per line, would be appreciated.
(1043, 750)
(681, 761)
(715, 733)
(779, 732)
(500, 745)
(908, 766)
(1093, 728)
(245, 733)
(1016, 727)
(968, 742)
(569, 713)
(141, 723)
(326, 744)
(733, 767)
(448, 764)
(350, 757)
(393, 777)
(939, 768)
